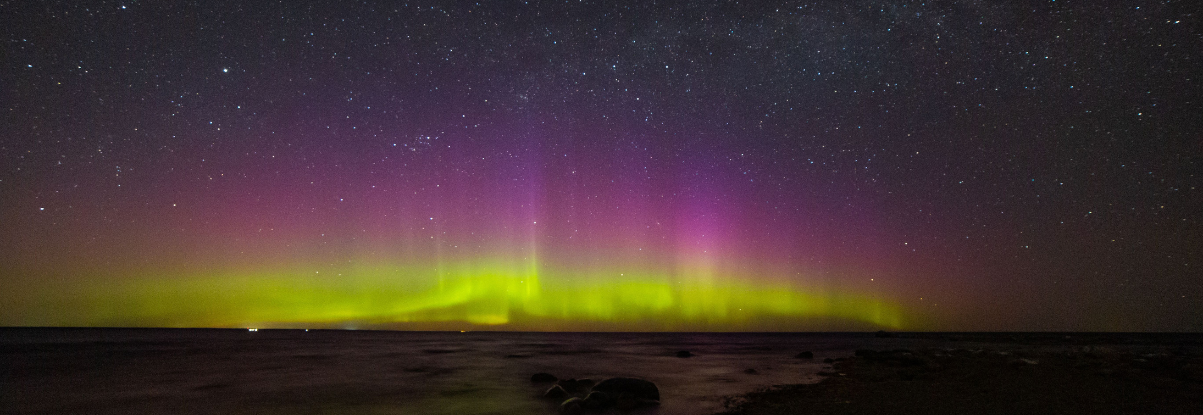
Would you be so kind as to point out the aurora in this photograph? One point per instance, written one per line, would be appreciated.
(596, 167)
(493, 294)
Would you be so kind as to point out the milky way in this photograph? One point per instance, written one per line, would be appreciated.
(592, 166)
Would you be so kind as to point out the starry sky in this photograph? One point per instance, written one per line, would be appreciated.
(511, 165)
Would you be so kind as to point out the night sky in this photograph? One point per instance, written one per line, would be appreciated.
(513, 165)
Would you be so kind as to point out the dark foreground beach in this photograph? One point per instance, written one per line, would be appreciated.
(187, 371)
(1004, 374)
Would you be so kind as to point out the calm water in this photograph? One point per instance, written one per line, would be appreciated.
(294, 371)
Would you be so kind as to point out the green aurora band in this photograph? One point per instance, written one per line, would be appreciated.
(489, 295)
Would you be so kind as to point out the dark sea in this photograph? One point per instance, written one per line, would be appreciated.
(202, 371)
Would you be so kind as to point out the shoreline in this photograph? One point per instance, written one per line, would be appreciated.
(1031, 378)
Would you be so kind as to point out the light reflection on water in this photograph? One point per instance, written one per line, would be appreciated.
(321, 371)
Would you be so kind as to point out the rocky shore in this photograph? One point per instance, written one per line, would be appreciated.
(577, 396)
(1064, 380)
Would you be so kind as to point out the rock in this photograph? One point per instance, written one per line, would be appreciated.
(907, 374)
(685, 353)
(542, 378)
(899, 357)
(555, 393)
(572, 406)
(805, 355)
(597, 401)
(626, 402)
(1191, 372)
(575, 385)
(866, 353)
(751, 371)
(826, 373)
(883, 334)
(907, 359)
(829, 360)
(638, 389)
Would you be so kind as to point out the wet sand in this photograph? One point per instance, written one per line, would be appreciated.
(1030, 376)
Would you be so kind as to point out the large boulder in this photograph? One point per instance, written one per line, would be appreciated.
(638, 389)
(575, 385)
(805, 355)
(555, 393)
(627, 402)
(542, 378)
(572, 406)
(597, 401)
(685, 353)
